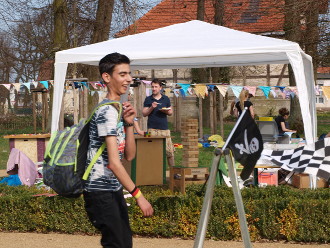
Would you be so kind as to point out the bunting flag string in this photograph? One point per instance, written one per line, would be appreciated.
(210, 87)
(201, 90)
(191, 91)
(222, 89)
(326, 91)
(252, 89)
(183, 94)
(45, 84)
(27, 85)
(265, 90)
(236, 90)
(184, 87)
(176, 92)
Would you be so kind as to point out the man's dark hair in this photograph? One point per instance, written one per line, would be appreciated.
(284, 111)
(107, 63)
(157, 81)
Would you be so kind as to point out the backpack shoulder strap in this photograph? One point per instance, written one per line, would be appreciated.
(117, 106)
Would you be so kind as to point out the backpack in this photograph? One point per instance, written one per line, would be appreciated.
(64, 164)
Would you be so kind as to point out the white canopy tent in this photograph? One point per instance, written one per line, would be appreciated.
(196, 44)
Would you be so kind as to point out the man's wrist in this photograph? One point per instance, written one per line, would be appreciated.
(127, 124)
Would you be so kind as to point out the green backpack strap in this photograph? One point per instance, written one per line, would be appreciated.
(101, 149)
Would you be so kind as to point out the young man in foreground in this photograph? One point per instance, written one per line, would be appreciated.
(103, 195)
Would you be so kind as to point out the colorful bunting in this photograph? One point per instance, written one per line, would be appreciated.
(222, 89)
(326, 91)
(27, 85)
(252, 89)
(184, 87)
(45, 84)
(200, 90)
(17, 86)
(236, 90)
(146, 82)
(182, 92)
(265, 90)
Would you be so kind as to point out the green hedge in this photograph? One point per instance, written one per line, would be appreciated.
(273, 213)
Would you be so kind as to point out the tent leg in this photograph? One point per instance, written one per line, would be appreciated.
(205, 214)
(238, 199)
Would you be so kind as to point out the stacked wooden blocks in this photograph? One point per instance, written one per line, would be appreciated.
(188, 172)
(189, 136)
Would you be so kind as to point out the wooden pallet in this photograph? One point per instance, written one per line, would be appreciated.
(180, 177)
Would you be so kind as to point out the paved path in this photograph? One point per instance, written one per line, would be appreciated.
(34, 240)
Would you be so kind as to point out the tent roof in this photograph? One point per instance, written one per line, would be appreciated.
(196, 44)
(186, 45)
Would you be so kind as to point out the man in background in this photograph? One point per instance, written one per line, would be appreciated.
(157, 107)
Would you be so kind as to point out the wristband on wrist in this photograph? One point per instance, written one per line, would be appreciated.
(128, 124)
(136, 193)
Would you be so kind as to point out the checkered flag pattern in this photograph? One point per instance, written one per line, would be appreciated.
(312, 159)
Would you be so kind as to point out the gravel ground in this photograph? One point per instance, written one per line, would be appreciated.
(35, 240)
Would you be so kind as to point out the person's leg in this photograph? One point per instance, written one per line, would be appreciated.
(108, 213)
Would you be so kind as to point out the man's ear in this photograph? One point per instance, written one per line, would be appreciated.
(106, 77)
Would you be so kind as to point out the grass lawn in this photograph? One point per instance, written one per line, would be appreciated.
(205, 154)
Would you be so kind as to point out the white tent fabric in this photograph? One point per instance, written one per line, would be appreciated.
(196, 44)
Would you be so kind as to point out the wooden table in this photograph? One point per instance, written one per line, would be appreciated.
(32, 145)
(149, 165)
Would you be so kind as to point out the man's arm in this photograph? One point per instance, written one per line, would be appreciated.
(118, 169)
(146, 111)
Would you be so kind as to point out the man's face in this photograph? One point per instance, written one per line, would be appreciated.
(120, 79)
(155, 88)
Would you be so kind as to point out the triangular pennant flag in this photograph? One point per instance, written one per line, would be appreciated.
(45, 84)
(146, 82)
(176, 92)
(280, 87)
(148, 92)
(326, 91)
(184, 87)
(252, 89)
(27, 85)
(7, 86)
(191, 91)
(167, 92)
(292, 94)
(265, 90)
(246, 144)
(236, 90)
(317, 90)
(200, 90)
(274, 93)
(182, 92)
(77, 85)
(222, 89)
(210, 87)
(92, 92)
(35, 84)
(93, 84)
(85, 84)
(17, 86)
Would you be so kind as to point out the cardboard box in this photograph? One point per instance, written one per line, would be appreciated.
(301, 181)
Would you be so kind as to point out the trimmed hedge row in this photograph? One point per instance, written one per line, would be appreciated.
(273, 213)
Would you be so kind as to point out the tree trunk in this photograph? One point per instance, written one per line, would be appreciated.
(200, 10)
(102, 25)
(101, 31)
(60, 25)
